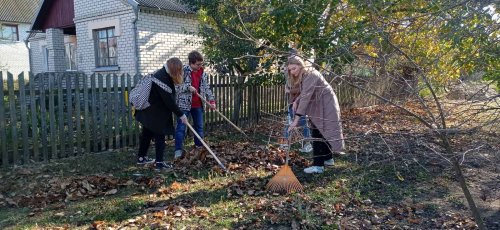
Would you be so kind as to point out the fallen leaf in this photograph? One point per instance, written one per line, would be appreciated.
(11, 202)
(86, 185)
(64, 185)
(159, 215)
(176, 186)
(111, 192)
(399, 176)
(59, 214)
(338, 207)
(96, 224)
(414, 221)
(25, 172)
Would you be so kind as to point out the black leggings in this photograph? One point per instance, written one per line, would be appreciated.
(146, 137)
(321, 149)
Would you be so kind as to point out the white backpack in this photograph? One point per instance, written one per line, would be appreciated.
(139, 95)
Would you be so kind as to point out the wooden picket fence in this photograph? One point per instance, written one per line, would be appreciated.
(58, 115)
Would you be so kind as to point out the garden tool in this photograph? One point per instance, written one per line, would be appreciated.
(222, 115)
(285, 181)
(206, 146)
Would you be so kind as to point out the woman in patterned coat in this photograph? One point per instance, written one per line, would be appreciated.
(319, 102)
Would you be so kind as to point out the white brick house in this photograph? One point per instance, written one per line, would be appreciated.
(113, 36)
(15, 22)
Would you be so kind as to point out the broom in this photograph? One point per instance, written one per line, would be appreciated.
(285, 181)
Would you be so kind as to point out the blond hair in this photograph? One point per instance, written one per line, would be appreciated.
(296, 60)
(175, 70)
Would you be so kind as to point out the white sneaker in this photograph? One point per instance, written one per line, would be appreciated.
(314, 169)
(330, 162)
(177, 154)
(283, 146)
(144, 160)
(307, 148)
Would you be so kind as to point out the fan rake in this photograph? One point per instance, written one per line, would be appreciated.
(285, 181)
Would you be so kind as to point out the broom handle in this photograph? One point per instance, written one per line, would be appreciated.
(288, 149)
(206, 146)
(222, 115)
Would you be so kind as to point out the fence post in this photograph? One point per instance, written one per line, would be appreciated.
(13, 118)
(60, 103)
(100, 108)
(52, 121)
(34, 121)
(43, 115)
(86, 113)
(130, 123)
(24, 114)
(123, 111)
(3, 136)
(95, 113)
(109, 119)
(69, 106)
(116, 105)
(78, 138)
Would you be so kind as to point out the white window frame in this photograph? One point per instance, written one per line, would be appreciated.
(72, 54)
(45, 59)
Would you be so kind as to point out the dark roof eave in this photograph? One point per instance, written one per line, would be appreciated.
(36, 20)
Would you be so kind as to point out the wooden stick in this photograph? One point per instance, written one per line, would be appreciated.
(206, 146)
(222, 115)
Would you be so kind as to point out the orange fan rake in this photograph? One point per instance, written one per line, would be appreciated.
(285, 181)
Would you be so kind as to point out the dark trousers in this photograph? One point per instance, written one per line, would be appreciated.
(321, 149)
(145, 139)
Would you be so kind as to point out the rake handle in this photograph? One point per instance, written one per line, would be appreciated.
(222, 115)
(206, 146)
(288, 149)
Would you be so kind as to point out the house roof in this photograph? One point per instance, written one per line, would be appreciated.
(22, 11)
(54, 14)
(170, 5)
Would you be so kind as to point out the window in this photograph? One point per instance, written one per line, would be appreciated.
(70, 56)
(45, 53)
(106, 47)
(9, 32)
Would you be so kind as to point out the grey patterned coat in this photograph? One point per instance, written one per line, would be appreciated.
(185, 97)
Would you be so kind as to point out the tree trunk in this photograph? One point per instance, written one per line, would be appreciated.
(238, 101)
(463, 184)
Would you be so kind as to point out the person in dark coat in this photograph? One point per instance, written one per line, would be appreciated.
(157, 120)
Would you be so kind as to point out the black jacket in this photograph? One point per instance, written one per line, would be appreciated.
(158, 116)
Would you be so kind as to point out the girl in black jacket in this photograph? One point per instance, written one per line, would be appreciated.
(157, 119)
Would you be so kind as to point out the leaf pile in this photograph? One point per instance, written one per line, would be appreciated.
(382, 119)
(239, 157)
(63, 190)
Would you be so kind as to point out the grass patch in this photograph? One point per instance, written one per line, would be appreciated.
(354, 192)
